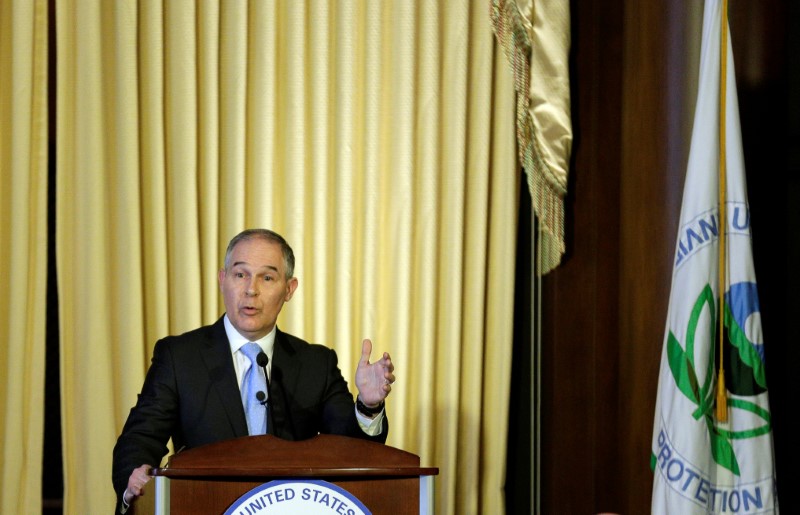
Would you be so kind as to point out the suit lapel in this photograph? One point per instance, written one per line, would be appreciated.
(284, 381)
(216, 353)
(283, 356)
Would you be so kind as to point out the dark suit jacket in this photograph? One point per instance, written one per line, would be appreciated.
(191, 394)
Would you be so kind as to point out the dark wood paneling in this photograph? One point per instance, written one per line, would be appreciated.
(650, 198)
(580, 383)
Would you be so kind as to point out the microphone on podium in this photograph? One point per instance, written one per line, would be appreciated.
(262, 360)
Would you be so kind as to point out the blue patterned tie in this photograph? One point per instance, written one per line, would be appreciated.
(252, 383)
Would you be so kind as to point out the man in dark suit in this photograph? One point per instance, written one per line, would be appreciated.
(192, 391)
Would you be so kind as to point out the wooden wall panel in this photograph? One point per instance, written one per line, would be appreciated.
(650, 201)
(580, 417)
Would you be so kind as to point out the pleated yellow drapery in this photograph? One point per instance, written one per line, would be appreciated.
(99, 254)
(377, 137)
(23, 251)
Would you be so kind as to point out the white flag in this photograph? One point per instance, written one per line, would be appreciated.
(702, 465)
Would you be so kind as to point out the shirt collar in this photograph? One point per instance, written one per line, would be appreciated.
(236, 340)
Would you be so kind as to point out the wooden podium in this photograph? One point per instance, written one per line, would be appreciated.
(212, 478)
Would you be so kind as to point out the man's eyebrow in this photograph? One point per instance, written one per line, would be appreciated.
(269, 267)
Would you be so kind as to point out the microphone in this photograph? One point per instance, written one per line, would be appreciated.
(262, 360)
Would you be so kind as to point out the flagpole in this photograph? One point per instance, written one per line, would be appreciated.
(722, 398)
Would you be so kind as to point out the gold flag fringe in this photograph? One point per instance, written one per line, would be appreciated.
(546, 188)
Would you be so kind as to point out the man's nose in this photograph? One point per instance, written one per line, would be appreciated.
(252, 289)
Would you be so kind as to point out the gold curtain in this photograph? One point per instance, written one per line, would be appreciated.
(23, 251)
(377, 137)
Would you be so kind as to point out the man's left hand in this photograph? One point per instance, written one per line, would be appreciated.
(374, 380)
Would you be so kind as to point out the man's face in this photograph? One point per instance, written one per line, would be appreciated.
(254, 288)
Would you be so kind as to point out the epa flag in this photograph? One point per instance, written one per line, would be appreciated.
(701, 464)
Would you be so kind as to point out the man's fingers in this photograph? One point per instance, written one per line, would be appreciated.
(366, 350)
(138, 489)
(139, 477)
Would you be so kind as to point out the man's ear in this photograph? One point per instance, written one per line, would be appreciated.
(221, 277)
(291, 286)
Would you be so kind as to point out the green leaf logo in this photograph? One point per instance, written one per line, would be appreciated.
(684, 372)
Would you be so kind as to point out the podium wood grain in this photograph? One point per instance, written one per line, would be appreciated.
(209, 479)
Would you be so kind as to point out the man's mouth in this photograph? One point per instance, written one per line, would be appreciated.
(249, 310)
